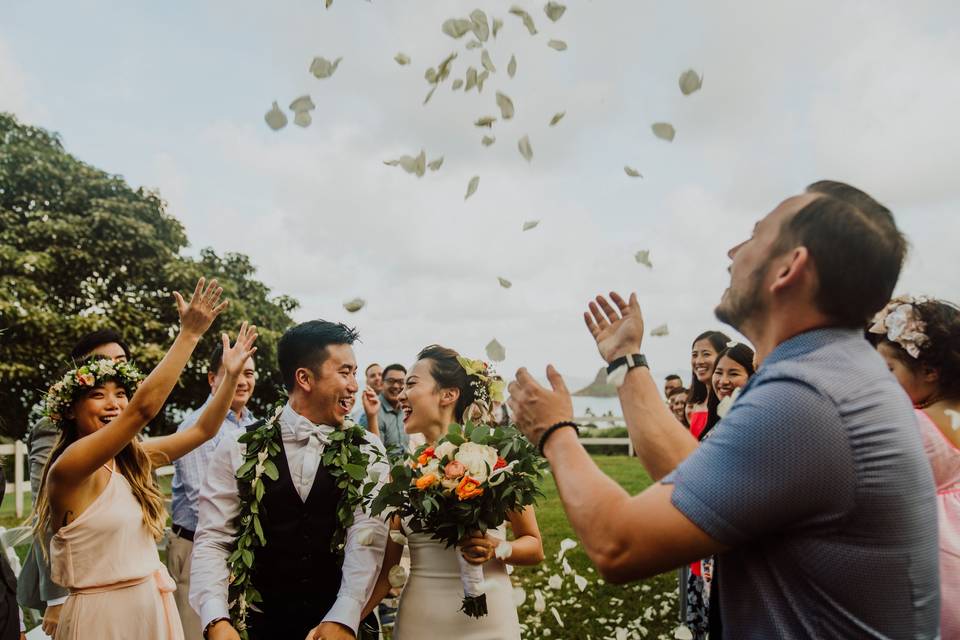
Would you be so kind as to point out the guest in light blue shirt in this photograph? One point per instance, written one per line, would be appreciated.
(390, 417)
(189, 472)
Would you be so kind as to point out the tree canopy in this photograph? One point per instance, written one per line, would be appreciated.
(81, 250)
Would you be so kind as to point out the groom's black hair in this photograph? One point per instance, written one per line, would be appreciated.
(305, 346)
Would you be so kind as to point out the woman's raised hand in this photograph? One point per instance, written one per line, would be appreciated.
(197, 315)
(234, 357)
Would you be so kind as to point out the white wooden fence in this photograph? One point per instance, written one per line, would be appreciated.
(608, 442)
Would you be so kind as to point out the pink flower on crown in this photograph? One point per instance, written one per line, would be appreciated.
(86, 379)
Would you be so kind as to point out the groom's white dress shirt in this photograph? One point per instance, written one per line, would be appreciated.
(218, 505)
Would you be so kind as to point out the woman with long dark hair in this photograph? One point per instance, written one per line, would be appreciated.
(98, 496)
(703, 355)
(919, 338)
(732, 370)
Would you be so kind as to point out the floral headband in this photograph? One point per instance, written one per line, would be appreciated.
(76, 382)
(488, 388)
(900, 323)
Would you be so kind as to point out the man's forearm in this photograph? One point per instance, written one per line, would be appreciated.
(660, 440)
(590, 498)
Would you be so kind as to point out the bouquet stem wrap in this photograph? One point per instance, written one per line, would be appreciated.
(474, 599)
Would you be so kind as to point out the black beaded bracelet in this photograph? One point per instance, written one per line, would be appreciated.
(549, 432)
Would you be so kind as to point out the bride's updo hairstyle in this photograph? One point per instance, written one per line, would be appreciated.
(449, 374)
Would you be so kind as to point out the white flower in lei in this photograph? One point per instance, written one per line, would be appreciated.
(479, 459)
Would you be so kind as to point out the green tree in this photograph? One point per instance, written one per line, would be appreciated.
(81, 250)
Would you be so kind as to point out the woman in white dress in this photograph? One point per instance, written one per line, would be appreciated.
(438, 392)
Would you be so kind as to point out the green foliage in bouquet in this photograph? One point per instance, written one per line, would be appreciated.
(470, 481)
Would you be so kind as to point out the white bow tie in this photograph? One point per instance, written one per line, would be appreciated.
(314, 439)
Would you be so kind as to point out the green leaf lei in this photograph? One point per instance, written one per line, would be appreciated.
(343, 459)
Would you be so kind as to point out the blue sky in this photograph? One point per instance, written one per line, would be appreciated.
(172, 96)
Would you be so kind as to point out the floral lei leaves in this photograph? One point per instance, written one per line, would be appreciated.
(343, 459)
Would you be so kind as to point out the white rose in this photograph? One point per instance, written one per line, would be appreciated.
(445, 450)
(432, 467)
(479, 459)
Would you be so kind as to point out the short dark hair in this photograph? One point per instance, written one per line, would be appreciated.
(216, 359)
(305, 346)
(672, 376)
(370, 366)
(677, 391)
(394, 367)
(856, 248)
(90, 341)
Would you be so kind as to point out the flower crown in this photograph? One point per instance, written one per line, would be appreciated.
(78, 381)
(900, 322)
(487, 387)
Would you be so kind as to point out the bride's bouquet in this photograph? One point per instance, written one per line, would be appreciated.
(469, 481)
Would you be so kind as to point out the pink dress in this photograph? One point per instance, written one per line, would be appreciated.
(108, 559)
(945, 460)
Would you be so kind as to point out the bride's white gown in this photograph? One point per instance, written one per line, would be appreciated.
(431, 600)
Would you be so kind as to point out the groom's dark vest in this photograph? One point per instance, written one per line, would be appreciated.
(296, 573)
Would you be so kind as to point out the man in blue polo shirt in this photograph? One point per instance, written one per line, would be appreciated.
(189, 472)
(813, 492)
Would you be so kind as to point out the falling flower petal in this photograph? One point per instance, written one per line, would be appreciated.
(682, 632)
(354, 305)
(633, 173)
(436, 164)
(555, 582)
(443, 69)
(302, 118)
(301, 105)
(421, 167)
(525, 149)
(664, 131)
(690, 82)
(512, 66)
(471, 79)
(497, 25)
(660, 332)
(954, 418)
(397, 576)
(275, 118)
(398, 537)
(367, 537)
(457, 27)
(481, 28)
(643, 257)
(530, 224)
(488, 140)
(527, 20)
(566, 545)
(402, 59)
(556, 614)
(506, 106)
(430, 94)
(457, 83)
(539, 603)
(557, 117)
(487, 62)
(506, 284)
(481, 79)
(497, 353)
(472, 186)
(559, 45)
(485, 121)
(430, 75)
(519, 597)
(554, 10)
(323, 68)
(581, 583)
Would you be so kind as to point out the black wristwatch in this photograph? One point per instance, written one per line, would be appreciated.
(617, 370)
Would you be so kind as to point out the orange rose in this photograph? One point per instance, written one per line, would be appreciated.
(468, 488)
(501, 463)
(424, 482)
(425, 456)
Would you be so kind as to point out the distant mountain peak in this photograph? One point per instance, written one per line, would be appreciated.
(599, 387)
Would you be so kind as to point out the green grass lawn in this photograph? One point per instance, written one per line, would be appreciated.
(644, 609)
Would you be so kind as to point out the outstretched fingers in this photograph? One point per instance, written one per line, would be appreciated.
(612, 314)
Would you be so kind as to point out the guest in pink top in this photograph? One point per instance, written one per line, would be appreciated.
(920, 340)
(98, 496)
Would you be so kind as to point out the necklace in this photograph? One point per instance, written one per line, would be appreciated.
(929, 402)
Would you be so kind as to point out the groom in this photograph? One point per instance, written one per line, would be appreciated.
(305, 587)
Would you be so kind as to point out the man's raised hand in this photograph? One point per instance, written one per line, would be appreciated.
(236, 356)
(197, 315)
(535, 408)
(617, 331)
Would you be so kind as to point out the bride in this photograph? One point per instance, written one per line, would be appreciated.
(438, 392)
